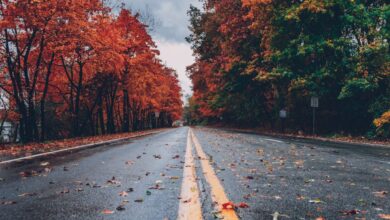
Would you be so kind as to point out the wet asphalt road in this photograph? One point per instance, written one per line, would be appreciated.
(298, 180)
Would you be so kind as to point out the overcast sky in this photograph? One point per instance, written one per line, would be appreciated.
(169, 34)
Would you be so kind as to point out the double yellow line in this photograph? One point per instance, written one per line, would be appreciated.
(190, 206)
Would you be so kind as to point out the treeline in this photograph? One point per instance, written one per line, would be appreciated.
(257, 57)
(73, 68)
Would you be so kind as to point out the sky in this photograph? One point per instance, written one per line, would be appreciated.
(170, 32)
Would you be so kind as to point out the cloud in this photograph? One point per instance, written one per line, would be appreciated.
(177, 55)
(172, 19)
(170, 14)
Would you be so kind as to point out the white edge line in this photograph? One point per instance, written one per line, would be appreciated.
(73, 148)
(267, 139)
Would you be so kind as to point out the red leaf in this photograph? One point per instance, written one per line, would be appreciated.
(228, 205)
(243, 205)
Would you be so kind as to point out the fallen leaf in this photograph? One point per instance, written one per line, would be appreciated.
(120, 208)
(316, 201)
(123, 194)
(130, 190)
(228, 205)
(27, 194)
(174, 177)
(276, 215)
(243, 205)
(381, 194)
(350, 212)
(44, 164)
(107, 212)
(28, 173)
(139, 200)
(384, 216)
(65, 191)
(148, 193)
(129, 162)
(8, 203)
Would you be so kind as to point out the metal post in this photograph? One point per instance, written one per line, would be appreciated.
(314, 121)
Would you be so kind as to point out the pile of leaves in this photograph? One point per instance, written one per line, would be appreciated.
(339, 138)
(16, 150)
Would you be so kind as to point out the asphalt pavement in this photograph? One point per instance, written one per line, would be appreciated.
(265, 177)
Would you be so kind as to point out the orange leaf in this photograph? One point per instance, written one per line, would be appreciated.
(384, 216)
(107, 212)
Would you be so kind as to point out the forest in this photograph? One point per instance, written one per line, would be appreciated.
(75, 68)
(255, 58)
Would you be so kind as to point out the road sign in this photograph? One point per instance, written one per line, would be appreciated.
(314, 102)
(283, 113)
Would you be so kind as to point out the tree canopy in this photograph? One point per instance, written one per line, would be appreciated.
(256, 57)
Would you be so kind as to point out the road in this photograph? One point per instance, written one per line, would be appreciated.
(188, 173)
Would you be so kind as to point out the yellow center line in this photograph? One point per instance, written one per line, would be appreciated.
(189, 207)
(218, 194)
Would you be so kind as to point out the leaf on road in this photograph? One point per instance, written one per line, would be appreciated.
(130, 190)
(28, 173)
(8, 203)
(176, 157)
(316, 201)
(381, 194)
(44, 164)
(157, 156)
(65, 191)
(187, 200)
(350, 212)
(123, 194)
(148, 193)
(174, 177)
(228, 205)
(276, 216)
(243, 205)
(121, 208)
(27, 194)
(384, 216)
(129, 162)
(139, 200)
(113, 181)
(107, 212)
(299, 163)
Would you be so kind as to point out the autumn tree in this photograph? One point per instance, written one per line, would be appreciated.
(81, 69)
